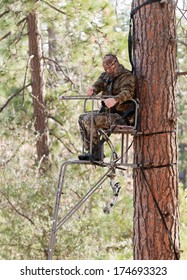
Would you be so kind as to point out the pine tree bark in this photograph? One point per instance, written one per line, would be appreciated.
(38, 86)
(156, 213)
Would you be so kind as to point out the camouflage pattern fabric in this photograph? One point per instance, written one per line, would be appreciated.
(100, 120)
(122, 88)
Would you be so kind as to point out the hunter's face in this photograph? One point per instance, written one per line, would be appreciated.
(110, 68)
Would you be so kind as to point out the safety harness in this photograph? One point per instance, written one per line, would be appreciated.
(130, 37)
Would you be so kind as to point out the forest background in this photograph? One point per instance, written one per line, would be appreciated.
(75, 36)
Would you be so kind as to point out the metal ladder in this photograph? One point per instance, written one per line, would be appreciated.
(115, 163)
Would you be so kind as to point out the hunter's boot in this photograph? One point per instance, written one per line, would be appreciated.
(96, 155)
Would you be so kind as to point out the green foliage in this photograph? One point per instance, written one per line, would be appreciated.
(109, 235)
(81, 34)
(75, 36)
(27, 201)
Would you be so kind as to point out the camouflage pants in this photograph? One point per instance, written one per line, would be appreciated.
(100, 120)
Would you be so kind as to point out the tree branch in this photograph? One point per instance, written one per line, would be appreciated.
(4, 13)
(55, 119)
(68, 78)
(12, 156)
(21, 33)
(181, 73)
(54, 8)
(12, 96)
(59, 139)
(22, 20)
(17, 211)
(182, 42)
(9, 33)
(5, 36)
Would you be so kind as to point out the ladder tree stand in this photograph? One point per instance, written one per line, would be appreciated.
(115, 162)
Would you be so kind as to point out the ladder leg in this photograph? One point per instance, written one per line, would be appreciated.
(55, 216)
(57, 225)
(80, 203)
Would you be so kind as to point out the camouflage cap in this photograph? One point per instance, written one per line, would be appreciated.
(109, 59)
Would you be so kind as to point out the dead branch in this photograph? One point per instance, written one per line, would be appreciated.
(54, 8)
(22, 20)
(11, 157)
(21, 33)
(4, 13)
(68, 78)
(55, 119)
(182, 43)
(59, 139)
(183, 16)
(5, 36)
(12, 96)
(16, 210)
(181, 73)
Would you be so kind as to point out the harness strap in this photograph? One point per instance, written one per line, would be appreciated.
(134, 11)
(130, 37)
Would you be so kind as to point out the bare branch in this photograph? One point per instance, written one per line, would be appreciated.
(11, 157)
(4, 13)
(12, 96)
(55, 119)
(16, 210)
(9, 33)
(54, 8)
(17, 38)
(182, 42)
(59, 139)
(22, 20)
(68, 78)
(5, 36)
(183, 12)
(181, 73)
(51, 133)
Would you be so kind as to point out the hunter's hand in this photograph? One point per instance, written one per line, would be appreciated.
(110, 102)
(90, 91)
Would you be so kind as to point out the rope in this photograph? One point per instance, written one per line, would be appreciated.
(130, 37)
(130, 43)
(134, 11)
(154, 133)
(156, 166)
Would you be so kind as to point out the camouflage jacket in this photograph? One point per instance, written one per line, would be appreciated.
(121, 86)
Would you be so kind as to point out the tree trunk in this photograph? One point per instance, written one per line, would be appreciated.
(38, 86)
(156, 215)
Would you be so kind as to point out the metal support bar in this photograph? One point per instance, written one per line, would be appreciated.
(81, 202)
(56, 226)
(122, 147)
(115, 163)
(127, 143)
(91, 129)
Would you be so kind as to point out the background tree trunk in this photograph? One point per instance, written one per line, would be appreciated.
(156, 215)
(38, 86)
